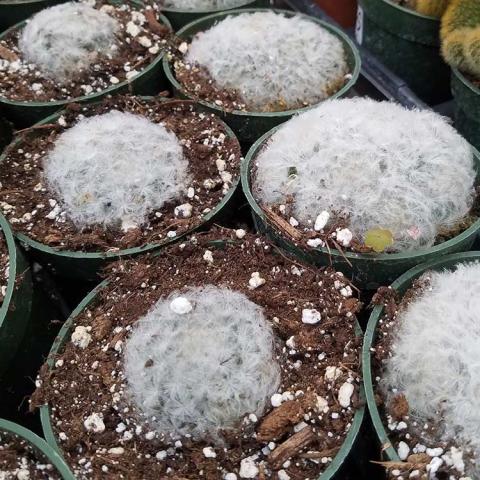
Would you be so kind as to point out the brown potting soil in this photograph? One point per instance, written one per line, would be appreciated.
(396, 415)
(27, 83)
(3, 267)
(296, 440)
(19, 461)
(26, 200)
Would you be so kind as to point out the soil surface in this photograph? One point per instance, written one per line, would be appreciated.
(336, 234)
(22, 81)
(27, 202)
(296, 440)
(199, 85)
(3, 267)
(19, 461)
(422, 439)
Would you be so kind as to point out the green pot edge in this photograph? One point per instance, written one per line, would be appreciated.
(369, 338)
(283, 114)
(408, 11)
(61, 339)
(30, 243)
(13, 262)
(208, 11)
(85, 98)
(50, 454)
(377, 258)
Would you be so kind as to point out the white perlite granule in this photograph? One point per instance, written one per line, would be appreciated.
(208, 366)
(271, 60)
(377, 164)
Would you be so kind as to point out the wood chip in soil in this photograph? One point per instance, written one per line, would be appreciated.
(19, 461)
(21, 81)
(87, 381)
(26, 201)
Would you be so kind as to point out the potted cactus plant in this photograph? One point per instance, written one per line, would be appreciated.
(404, 35)
(257, 67)
(182, 12)
(79, 51)
(373, 206)
(460, 32)
(240, 365)
(24, 455)
(116, 178)
(419, 359)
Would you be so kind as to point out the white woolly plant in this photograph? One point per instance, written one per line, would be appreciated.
(199, 361)
(203, 4)
(114, 169)
(435, 361)
(67, 38)
(383, 166)
(271, 59)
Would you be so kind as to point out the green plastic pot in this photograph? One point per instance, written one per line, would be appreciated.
(467, 107)
(85, 266)
(14, 11)
(401, 285)
(344, 459)
(16, 306)
(250, 125)
(40, 446)
(179, 18)
(366, 270)
(408, 43)
(149, 81)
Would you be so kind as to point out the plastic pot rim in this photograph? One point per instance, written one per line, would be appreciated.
(83, 98)
(369, 339)
(206, 11)
(334, 253)
(50, 454)
(62, 338)
(409, 11)
(12, 271)
(464, 81)
(284, 113)
(30, 242)
(7, 3)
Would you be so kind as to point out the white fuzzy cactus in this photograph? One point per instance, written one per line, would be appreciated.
(113, 169)
(204, 5)
(67, 38)
(207, 365)
(383, 166)
(435, 361)
(271, 59)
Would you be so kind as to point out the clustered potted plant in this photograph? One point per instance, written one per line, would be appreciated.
(71, 195)
(419, 360)
(256, 68)
(400, 191)
(79, 51)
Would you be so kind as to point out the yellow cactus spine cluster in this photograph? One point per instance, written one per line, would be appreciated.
(460, 34)
(433, 8)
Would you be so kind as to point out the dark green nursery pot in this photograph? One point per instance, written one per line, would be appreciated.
(149, 81)
(408, 43)
(16, 306)
(367, 271)
(85, 266)
(346, 456)
(179, 18)
(14, 11)
(41, 448)
(250, 125)
(467, 107)
(401, 285)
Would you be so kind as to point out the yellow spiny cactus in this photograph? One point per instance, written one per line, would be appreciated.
(433, 8)
(460, 35)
